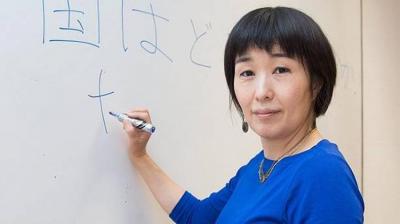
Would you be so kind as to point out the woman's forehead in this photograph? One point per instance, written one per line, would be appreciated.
(275, 52)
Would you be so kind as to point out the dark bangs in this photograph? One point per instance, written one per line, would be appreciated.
(296, 34)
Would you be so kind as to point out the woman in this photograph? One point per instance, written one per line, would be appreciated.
(280, 72)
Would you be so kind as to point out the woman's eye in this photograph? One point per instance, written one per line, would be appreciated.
(280, 70)
(247, 73)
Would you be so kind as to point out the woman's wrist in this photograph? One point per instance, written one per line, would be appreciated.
(136, 157)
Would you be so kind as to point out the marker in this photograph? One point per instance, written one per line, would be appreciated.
(135, 122)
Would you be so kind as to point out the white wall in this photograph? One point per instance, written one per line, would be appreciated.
(381, 47)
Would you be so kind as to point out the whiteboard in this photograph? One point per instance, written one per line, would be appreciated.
(65, 64)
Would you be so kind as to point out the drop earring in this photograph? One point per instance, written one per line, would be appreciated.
(245, 126)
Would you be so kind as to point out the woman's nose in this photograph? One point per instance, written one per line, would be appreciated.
(264, 88)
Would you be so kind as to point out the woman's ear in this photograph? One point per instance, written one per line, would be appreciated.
(315, 89)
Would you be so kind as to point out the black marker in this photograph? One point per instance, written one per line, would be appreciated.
(135, 122)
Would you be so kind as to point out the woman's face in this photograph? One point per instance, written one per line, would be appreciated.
(273, 91)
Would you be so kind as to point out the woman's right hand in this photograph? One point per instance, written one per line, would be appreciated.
(164, 189)
(137, 138)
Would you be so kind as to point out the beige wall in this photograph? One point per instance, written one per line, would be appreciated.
(381, 109)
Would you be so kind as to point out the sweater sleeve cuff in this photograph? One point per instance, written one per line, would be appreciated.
(183, 209)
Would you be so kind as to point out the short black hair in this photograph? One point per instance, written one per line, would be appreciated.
(297, 35)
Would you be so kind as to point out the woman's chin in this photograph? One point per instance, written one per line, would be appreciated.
(267, 132)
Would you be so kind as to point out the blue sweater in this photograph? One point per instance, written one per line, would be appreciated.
(314, 186)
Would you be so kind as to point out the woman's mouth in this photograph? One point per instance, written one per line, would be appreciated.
(265, 113)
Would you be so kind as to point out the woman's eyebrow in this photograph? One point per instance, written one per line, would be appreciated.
(279, 55)
(242, 58)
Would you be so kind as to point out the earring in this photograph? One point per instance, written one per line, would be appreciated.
(245, 126)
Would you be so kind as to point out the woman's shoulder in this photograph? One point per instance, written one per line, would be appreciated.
(323, 187)
(329, 150)
(326, 154)
(325, 162)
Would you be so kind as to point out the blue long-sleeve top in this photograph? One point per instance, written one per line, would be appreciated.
(314, 186)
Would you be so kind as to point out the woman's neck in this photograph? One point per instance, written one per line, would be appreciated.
(298, 142)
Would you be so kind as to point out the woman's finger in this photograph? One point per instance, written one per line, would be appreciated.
(127, 126)
(139, 109)
(145, 116)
